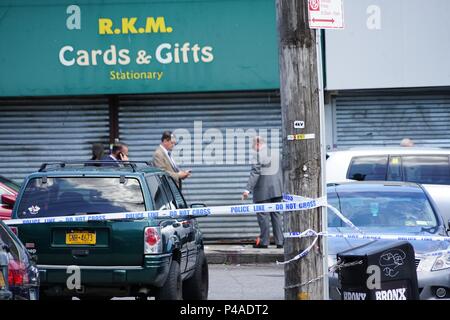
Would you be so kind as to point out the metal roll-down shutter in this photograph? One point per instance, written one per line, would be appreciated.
(33, 131)
(385, 119)
(142, 119)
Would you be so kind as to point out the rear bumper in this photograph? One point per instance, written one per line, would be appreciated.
(152, 273)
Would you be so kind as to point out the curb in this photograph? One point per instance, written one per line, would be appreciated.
(242, 255)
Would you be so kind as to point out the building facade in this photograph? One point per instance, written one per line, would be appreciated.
(79, 72)
(74, 73)
(388, 74)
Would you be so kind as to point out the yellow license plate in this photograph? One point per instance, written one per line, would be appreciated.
(2, 280)
(83, 237)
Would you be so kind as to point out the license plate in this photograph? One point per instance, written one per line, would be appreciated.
(82, 237)
(2, 280)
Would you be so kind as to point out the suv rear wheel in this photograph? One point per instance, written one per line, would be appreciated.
(173, 287)
(196, 287)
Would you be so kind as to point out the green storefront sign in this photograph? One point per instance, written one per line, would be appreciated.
(104, 47)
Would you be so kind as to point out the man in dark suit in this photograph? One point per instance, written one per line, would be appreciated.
(162, 158)
(265, 182)
(119, 152)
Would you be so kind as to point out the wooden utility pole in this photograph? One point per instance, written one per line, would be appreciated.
(301, 158)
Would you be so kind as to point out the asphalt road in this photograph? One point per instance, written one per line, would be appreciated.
(246, 282)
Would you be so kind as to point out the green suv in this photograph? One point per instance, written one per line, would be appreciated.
(98, 259)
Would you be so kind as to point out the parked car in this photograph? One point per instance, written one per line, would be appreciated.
(391, 208)
(162, 257)
(5, 293)
(8, 193)
(9, 183)
(21, 274)
(428, 166)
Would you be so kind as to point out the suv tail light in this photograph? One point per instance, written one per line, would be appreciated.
(17, 273)
(152, 240)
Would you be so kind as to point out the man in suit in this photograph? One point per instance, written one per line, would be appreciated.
(119, 152)
(162, 158)
(265, 182)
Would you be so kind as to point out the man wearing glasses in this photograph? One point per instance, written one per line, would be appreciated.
(162, 158)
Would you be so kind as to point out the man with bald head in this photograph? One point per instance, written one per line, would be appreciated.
(119, 153)
(265, 182)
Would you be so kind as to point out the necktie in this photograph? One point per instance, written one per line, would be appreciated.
(175, 167)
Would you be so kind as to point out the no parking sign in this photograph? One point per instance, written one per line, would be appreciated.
(326, 14)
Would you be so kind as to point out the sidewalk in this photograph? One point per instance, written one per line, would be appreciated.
(241, 254)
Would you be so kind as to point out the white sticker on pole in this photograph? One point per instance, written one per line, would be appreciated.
(307, 136)
(326, 14)
(299, 124)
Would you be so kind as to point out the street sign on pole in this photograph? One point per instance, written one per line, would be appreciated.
(326, 14)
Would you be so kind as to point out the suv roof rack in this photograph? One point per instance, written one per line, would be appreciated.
(95, 163)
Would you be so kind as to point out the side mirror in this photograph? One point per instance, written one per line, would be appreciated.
(198, 205)
(8, 199)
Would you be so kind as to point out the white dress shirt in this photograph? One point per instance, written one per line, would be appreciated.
(174, 165)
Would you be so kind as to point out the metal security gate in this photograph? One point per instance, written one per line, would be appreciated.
(33, 131)
(202, 119)
(384, 120)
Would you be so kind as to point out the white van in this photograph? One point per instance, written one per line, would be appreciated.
(428, 166)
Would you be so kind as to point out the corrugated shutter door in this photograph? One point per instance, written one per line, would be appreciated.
(143, 119)
(385, 120)
(44, 130)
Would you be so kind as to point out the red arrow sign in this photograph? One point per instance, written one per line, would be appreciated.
(327, 14)
(322, 20)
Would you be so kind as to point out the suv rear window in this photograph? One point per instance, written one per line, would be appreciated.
(368, 168)
(426, 169)
(80, 195)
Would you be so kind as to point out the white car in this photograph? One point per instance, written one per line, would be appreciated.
(391, 208)
(427, 166)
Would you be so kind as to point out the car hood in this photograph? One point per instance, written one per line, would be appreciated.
(337, 245)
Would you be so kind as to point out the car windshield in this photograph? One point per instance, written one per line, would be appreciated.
(383, 209)
(80, 195)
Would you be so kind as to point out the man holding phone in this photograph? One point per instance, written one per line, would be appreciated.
(119, 152)
(162, 158)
